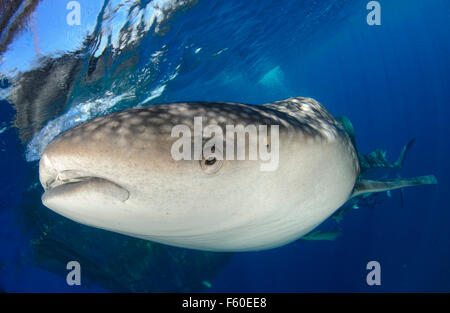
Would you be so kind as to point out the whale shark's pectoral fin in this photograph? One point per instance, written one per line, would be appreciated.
(322, 235)
(369, 186)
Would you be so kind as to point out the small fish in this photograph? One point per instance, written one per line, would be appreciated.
(320, 235)
(207, 283)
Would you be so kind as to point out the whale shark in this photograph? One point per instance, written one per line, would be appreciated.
(116, 172)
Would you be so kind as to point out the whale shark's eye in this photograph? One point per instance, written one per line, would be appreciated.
(211, 163)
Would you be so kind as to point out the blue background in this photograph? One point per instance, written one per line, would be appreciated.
(391, 80)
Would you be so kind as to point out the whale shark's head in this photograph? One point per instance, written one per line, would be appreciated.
(140, 172)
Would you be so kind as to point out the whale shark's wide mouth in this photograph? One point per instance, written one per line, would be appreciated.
(85, 187)
(61, 184)
(60, 179)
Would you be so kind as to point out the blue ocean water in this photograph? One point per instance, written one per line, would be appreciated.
(391, 80)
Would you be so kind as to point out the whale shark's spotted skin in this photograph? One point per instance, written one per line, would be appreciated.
(137, 128)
